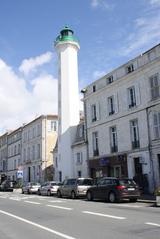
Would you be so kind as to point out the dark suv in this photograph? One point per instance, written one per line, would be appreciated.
(114, 189)
(74, 187)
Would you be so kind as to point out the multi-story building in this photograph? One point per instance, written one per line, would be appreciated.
(123, 121)
(3, 157)
(38, 140)
(14, 153)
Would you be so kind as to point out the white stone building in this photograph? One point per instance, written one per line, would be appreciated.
(14, 153)
(118, 108)
(38, 141)
(3, 157)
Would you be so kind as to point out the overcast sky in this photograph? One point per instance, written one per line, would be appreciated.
(110, 33)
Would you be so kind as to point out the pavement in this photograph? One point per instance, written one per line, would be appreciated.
(150, 198)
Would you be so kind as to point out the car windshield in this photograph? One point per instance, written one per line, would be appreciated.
(87, 182)
(35, 184)
(54, 184)
(127, 182)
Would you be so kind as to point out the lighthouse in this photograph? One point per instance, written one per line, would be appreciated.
(67, 47)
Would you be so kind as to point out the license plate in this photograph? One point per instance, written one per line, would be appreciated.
(131, 189)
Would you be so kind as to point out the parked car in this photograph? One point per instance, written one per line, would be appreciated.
(30, 187)
(74, 187)
(49, 188)
(7, 185)
(114, 190)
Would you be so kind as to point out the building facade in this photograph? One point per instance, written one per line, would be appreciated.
(3, 157)
(14, 153)
(38, 140)
(120, 121)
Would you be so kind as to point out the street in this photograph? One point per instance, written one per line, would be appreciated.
(36, 217)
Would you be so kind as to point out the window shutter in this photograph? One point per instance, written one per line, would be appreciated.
(116, 102)
(137, 92)
(98, 111)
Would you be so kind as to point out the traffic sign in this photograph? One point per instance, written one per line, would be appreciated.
(19, 174)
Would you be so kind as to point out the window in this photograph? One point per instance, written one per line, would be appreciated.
(154, 84)
(33, 152)
(156, 125)
(95, 143)
(131, 97)
(38, 151)
(34, 173)
(15, 164)
(113, 136)
(79, 174)
(129, 68)
(53, 125)
(28, 154)
(134, 134)
(109, 79)
(79, 158)
(38, 130)
(24, 155)
(15, 150)
(19, 148)
(111, 105)
(94, 88)
(93, 113)
(33, 132)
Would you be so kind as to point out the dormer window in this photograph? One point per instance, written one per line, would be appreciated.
(110, 80)
(94, 88)
(129, 68)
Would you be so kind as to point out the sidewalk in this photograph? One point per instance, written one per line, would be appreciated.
(150, 198)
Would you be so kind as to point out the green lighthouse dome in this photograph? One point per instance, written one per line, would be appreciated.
(66, 34)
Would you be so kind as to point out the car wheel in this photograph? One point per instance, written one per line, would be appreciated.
(112, 197)
(48, 193)
(89, 196)
(133, 199)
(59, 195)
(73, 195)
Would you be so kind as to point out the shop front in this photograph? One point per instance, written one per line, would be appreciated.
(111, 166)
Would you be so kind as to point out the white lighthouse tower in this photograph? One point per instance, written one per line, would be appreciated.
(67, 47)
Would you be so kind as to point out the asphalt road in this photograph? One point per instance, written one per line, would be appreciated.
(37, 217)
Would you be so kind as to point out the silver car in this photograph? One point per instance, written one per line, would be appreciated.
(49, 188)
(74, 187)
(30, 187)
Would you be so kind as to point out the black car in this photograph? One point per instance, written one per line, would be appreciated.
(114, 190)
(7, 186)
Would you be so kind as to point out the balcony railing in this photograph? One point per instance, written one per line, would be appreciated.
(96, 152)
(135, 144)
(114, 149)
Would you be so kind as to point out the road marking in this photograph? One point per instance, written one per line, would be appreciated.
(104, 215)
(15, 198)
(38, 225)
(3, 196)
(37, 203)
(152, 224)
(58, 201)
(125, 205)
(65, 208)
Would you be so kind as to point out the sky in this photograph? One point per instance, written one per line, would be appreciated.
(110, 33)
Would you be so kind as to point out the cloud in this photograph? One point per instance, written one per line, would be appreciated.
(154, 2)
(97, 74)
(145, 33)
(31, 64)
(101, 4)
(18, 104)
